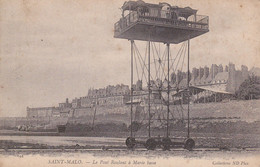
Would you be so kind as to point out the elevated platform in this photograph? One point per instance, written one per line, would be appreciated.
(159, 22)
(147, 28)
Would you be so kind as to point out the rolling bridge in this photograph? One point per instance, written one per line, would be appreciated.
(161, 23)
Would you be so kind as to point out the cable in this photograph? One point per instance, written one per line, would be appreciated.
(181, 48)
(154, 62)
(179, 60)
(136, 67)
(141, 58)
(160, 62)
(142, 67)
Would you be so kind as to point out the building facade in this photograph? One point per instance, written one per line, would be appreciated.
(215, 79)
(40, 112)
(111, 95)
(224, 79)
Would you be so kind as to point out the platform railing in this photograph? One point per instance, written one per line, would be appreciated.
(193, 22)
(126, 21)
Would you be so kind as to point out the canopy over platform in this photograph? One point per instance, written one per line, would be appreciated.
(134, 5)
(159, 23)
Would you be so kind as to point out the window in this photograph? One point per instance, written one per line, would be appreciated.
(154, 12)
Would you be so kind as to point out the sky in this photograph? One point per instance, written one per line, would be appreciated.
(53, 50)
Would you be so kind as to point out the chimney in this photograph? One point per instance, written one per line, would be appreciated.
(245, 73)
(232, 83)
(226, 68)
(173, 78)
(214, 70)
(244, 68)
(210, 74)
(231, 67)
(194, 74)
(201, 72)
(220, 68)
(184, 75)
(179, 77)
(139, 85)
(206, 72)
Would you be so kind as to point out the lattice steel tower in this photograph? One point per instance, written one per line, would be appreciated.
(165, 24)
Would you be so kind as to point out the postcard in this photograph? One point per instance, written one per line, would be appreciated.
(120, 83)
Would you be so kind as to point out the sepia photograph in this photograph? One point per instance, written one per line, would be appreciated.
(125, 83)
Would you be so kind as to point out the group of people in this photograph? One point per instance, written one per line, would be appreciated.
(165, 12)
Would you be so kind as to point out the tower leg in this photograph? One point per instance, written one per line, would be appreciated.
(149, 91)
(131, 93)
(188, 88)
(130, 141)
(189, 143)
(168, 91)
(166, 142)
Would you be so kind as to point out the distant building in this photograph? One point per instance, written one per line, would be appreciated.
(40, 112)
(63, 110)
(205, 81)
(216, 77)
(111, 95)
(207, 85)
(88, 101)
(76, 103)
(66, 104)
(236, 77)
